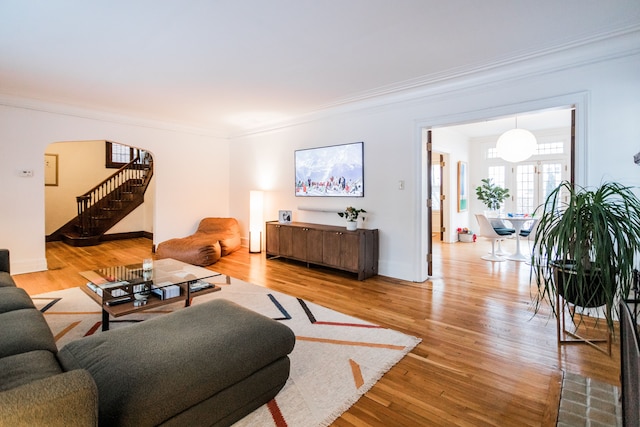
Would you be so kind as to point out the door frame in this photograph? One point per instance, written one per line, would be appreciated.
(579, 166)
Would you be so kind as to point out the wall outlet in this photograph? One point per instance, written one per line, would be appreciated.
(26, 173)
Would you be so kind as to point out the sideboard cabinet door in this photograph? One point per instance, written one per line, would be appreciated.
(279, 240)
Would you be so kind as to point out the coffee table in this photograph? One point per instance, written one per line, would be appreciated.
(128, 289)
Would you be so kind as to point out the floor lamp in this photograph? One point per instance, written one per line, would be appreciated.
(256, 215)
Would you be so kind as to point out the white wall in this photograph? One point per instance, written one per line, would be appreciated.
(607, 91)
(191, 176)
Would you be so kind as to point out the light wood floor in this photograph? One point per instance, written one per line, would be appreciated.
(484, 359)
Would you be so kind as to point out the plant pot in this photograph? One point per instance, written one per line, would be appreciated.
(590, 295)
(352, 225)
(466, 238)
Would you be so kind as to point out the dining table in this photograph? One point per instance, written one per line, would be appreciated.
(517, 221)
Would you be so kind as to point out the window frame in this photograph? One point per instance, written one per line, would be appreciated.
(109, 162)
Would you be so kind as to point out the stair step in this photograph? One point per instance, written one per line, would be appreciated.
(78, 241)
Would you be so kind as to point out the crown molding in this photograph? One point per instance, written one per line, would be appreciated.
(8, 100)
(599, 48)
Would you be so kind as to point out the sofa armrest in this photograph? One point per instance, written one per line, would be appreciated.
(67, 399)
(4, 260)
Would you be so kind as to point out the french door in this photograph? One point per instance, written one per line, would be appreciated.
(533, 181)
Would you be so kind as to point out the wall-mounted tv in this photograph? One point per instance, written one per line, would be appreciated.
(333, 171)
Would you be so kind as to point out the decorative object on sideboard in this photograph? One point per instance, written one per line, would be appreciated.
(351, 215)
(284, 217)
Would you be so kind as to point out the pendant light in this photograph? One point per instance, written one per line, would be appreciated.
(516, 145)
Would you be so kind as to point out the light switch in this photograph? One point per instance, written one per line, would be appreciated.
(401, 184)
(26, 173)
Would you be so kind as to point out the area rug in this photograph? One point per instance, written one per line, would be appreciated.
(336, 359)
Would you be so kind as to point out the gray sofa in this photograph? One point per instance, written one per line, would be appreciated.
(209, 364)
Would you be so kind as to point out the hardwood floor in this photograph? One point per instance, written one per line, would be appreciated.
(484, 359)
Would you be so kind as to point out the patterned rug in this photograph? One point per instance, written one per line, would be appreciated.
(336, 359)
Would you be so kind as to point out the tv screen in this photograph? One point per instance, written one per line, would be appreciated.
(333, 171)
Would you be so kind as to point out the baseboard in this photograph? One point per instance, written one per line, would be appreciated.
(128, 235)
(28, 266)
(108, 237)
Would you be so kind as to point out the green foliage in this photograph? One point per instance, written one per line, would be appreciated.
(351, 213)
(491, 195)
(593, 238)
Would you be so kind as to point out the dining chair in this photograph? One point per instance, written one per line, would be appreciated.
(489, 233)
(502, 229)
(530, 235)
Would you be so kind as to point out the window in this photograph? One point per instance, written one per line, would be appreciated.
(550, 148)
(497, 175)
(492, 153)
(118, 155)
(525, 188)
(551, 174)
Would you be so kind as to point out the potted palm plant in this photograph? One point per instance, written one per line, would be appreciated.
(586, 247)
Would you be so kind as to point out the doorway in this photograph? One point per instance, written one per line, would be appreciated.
(80, 166)
(571, 116)
(438, 208)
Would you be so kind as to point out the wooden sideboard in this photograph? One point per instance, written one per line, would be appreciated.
(326, 245)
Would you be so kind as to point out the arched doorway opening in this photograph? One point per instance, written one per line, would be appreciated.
(83, 165)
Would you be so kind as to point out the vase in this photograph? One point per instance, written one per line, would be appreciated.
(352, 225)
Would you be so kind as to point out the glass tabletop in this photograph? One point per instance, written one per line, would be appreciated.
(163, 272)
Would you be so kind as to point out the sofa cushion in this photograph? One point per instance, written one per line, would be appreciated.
(26, 367)
(6, 279)
(68, 399)
(24, 330)
(5, 264)
(14, 299)
(198, 351)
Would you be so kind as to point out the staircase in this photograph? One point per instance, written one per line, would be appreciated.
(102, 207)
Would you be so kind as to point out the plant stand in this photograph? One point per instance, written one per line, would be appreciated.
(568, 337)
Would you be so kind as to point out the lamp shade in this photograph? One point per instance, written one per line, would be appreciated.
(516, 145)
(256, 222)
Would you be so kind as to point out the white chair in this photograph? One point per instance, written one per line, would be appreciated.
(502, 229)
(488, 232)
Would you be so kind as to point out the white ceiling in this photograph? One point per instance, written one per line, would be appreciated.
(230, 65)
(534, 121)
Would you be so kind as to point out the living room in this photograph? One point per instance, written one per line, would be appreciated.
(226, 169)
(201, 172)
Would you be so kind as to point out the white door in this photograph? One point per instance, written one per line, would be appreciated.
(534, 181)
